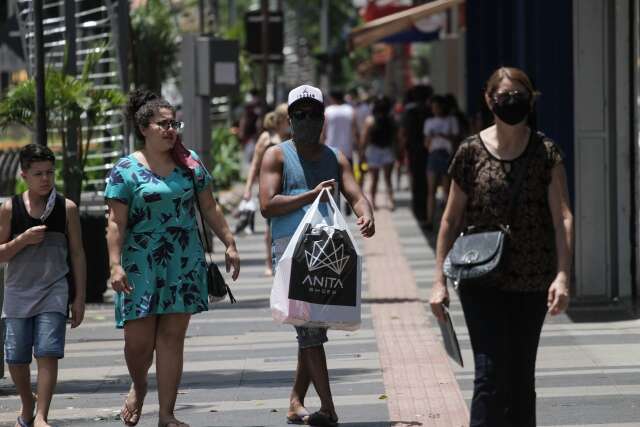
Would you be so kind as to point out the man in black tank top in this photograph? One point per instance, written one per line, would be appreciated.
(39, 231)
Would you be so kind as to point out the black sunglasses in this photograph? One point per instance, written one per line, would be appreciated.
(303, 114)
(517, 94)
(173, 124)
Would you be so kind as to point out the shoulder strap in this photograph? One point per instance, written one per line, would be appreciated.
(532, 148)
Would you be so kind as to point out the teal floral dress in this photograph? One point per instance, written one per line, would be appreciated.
(161, 254)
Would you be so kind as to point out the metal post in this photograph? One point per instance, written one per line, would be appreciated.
(324, 42)
(201, 16)
(71, 67)
(265, 46)
(233, 13)
(41, 118)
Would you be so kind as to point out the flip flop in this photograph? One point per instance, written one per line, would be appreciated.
(297, 417)
(319, 419)
(133, 412)
(22, 423)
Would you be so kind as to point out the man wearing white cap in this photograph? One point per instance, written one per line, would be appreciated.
(292, 175)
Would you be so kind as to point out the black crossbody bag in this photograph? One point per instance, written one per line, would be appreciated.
(217, 288)
(477, 257)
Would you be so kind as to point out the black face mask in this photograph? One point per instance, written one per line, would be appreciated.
(512, 108)
(307, 130)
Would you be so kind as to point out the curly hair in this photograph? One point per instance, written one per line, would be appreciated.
(142, 105)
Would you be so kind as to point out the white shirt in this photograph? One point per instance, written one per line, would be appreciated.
(338, 130)
(440, 125)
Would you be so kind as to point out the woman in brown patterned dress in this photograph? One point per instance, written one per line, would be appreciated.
(505, 319)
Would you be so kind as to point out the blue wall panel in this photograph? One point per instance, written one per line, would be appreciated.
(536, 36)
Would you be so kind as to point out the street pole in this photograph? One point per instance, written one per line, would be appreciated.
(265, 46)
(324, 42)
(71, 67)
(201, 16)
(41, 118)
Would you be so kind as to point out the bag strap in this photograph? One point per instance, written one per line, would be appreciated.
(202, 234)
(532, 148)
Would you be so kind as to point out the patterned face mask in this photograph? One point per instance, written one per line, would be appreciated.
(51, 202)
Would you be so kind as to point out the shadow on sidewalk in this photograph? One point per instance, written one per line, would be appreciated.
(201, 380)
(582, 312)
(392, 300)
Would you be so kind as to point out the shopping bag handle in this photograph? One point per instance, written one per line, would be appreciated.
(332, 203)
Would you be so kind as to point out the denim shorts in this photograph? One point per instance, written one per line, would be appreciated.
(311, 337)
(438, 162)
(43, 335)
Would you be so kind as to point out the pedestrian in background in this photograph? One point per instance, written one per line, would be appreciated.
(440, 132)
(505, 317)
(249, 124)
(158, 268)
(39, 233)
(463, 123)
(411, 132)
(276, 126)
(378, 139)
(341, 128)
(292, 175)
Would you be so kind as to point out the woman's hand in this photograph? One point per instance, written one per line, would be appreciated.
(439, 299)
(232, 259)
(119, 281)
(558, 296)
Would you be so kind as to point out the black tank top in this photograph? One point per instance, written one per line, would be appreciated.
(21, 221)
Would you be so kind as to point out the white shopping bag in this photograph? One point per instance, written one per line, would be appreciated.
(319, 276)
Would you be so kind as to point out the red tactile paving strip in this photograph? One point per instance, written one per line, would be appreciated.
(420, 386)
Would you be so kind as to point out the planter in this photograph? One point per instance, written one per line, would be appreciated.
(94, 240)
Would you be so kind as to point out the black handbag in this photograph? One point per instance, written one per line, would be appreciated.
(217, 288)
(477, 256)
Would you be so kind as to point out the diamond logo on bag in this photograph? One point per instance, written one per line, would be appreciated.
(325, 254)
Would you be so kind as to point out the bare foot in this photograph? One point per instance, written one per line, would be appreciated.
(132, 408)
(39, 421)
(172, 422)
(297, 413)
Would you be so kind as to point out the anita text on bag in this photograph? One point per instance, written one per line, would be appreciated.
(319, 276)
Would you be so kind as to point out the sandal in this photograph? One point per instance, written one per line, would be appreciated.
(298, 417)
(20, 422)
(134, 413)
(320, 419)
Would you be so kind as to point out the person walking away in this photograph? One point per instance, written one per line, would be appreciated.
(341, 128)
(505, 316)
(380, 133)
(249, 124)
(276, 125)
(411, 134)
(463, 123)
(439, 134)
(158, 266)
(39, 234)
(292, 175)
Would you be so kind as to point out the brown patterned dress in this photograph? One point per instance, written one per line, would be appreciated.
(486, 180)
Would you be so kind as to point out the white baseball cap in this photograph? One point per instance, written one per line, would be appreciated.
(305, 92)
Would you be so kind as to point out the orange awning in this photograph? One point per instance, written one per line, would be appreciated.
(380, 28)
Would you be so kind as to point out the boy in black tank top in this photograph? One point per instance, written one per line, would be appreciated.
(39, 229)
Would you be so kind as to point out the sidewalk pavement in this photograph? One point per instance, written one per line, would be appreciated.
(239, 364)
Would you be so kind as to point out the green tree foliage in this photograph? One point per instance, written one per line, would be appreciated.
(70, 101)
(226, 158)
(154, 45)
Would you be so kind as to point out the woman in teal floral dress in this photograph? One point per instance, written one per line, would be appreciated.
(158, 268)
